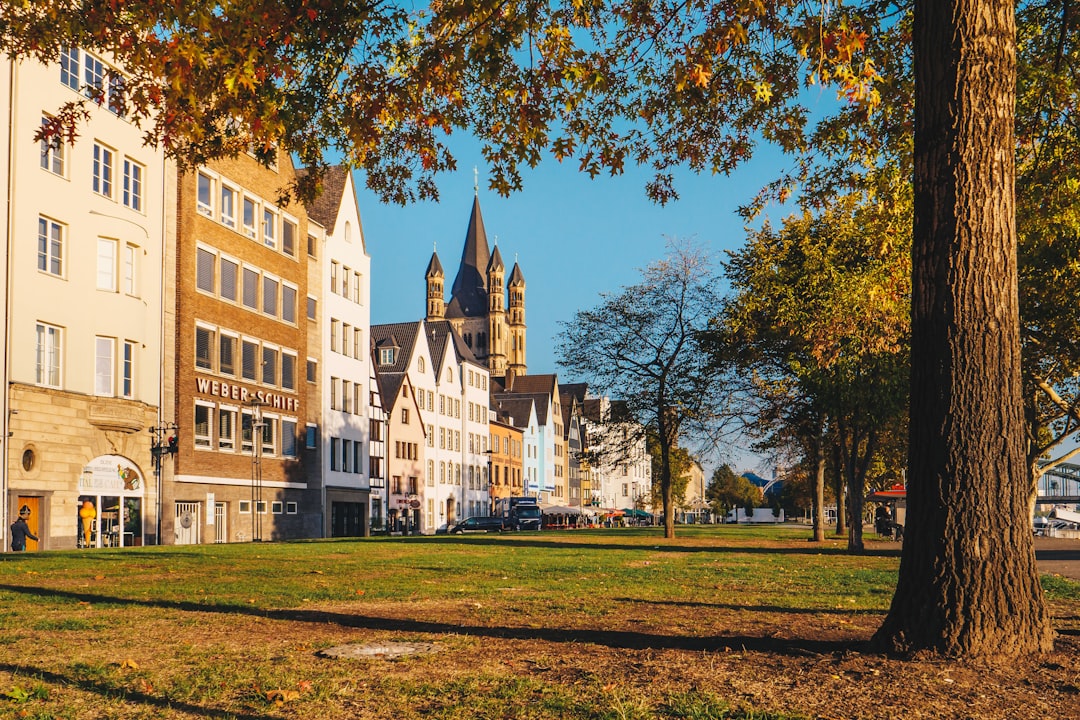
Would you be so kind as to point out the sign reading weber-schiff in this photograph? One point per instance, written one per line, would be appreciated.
(229, 391)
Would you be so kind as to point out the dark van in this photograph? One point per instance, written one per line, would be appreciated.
(478, 524)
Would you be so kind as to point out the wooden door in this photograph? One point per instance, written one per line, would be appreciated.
(34, 521)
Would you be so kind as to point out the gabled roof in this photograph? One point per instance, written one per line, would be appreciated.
(324, 209)
(469, 292)
(390, 388)
(403, 336)
(542, 383)
(519, 409)
(542, 401)
(496, 262)
(441, 335)
(577, 390)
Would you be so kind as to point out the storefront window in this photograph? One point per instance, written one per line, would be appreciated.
(109, 511)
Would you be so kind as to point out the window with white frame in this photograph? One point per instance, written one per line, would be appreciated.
(250, 211)
(244, 507)
(93, 77)
(269, 227)
(106, 264)
(312, 369)
(204, 417)
(358, 343)
(204, 348)
(335, 324)
(205, 260)
(260, 507)
(288, 303)
(247, 431)
(228, 206)
(288, 237)
(227, 354)
(269, 365)
(312, 305)
(290, 508)
(288, 371)
(50, 247)
(345, 282)
(277, 507)
(104, 158)
(52, 152)
(346, 455)
(133, 184)
(333, 276)
(226, 435)
(104, 363)
(131, 259)
(251, 288)
(229, 271)
(249, 358)
(270, 296)
(127, 369)
(205, 194)
(269, 423)
(334, 393)
(47, 355)
(288, 438)
(69, 67)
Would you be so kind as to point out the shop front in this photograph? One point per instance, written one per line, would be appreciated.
(111, 508)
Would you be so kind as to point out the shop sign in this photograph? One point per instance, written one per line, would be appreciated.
(111, 474)
(229, 391)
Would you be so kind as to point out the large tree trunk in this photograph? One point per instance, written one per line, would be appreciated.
(839, 487)
(819, 494)
(968, 584)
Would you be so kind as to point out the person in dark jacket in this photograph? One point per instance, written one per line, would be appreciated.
(20, 531)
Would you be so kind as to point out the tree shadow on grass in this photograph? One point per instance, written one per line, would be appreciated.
(753, 608)
(129, 695)
(535, 541)
(616, 639)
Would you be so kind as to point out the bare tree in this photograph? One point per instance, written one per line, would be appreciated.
(640, 347)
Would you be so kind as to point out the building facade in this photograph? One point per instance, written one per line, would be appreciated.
(241, 339)
(86, 229)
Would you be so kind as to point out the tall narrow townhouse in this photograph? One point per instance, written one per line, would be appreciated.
(462, 389)
(344, 373)
(404, 368)
(550, 481)
(377, 418)
(509, 418)
(241, 336)
(85, 229)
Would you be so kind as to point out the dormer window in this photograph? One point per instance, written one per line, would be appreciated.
(386, 356)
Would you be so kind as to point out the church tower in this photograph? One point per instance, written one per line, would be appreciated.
(436, 306)
(516, 322)
(497, 332)
(478, 310)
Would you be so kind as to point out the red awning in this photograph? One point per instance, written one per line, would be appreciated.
(896, 492)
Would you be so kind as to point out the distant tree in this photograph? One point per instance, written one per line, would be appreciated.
(728, 490)
(641, 347)
(818, 320)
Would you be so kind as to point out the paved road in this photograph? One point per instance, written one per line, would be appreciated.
(1058, 555)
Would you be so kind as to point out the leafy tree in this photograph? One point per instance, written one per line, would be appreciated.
(640, 346)
(727, 491)
(818, 319)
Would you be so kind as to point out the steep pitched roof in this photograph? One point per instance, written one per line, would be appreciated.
(390, 388)
(496, 262)
(469, 292)
(519, 409)
(324, 209)
(542, 383)
(404, 335)
(434, 268)
(441, 335)
(516, 276)
(542, 401)
(577, 390)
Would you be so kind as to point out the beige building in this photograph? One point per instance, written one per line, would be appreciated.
(85, 228)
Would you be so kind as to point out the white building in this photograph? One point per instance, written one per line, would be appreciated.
(85, 231)
(345, 375)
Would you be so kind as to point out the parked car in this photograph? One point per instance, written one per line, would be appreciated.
(478, 524)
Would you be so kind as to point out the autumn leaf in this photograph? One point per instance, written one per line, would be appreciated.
(280, 697)
(762, 91)
(129, 664)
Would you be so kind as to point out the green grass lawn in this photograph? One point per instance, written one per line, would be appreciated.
(580, 624)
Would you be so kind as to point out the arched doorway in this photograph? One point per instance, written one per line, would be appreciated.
(451, 511)
(110, 510)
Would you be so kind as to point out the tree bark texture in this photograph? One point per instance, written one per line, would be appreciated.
(968, 584)
(819, 490)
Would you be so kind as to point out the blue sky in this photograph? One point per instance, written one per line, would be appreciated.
(574, 237)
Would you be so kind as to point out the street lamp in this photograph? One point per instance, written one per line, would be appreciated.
(257, 426)
(490, 483)
(165, 442)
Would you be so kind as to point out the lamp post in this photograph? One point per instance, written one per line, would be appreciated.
(257, 426)
(165, 442)
(490, 482)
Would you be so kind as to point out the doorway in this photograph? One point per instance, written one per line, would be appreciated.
(34, 521)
